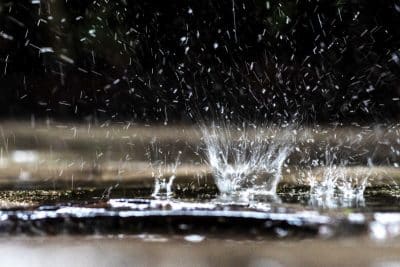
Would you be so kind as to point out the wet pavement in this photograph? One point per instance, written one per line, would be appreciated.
(82, 196)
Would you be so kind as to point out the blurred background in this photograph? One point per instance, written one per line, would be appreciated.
(169, 61)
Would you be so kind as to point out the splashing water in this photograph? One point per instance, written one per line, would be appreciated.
(244, 162)
(352, 186)
(338, 186)
(163, 170)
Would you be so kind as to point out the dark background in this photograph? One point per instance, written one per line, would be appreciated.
(176, 61)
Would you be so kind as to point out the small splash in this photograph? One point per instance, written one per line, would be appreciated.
(245, 161)
(163, 163)
(338, 186)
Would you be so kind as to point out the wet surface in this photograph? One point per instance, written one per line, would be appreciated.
(89, 198)
(197, 210)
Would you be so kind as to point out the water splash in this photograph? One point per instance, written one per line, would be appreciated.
(338, 186)
(244, 161)
(163, 163)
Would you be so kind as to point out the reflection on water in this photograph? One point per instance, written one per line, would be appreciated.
(293, 214)
(332, 202)
(194, 238)
(24, 156)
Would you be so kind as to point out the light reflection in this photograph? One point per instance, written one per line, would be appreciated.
(24, 156)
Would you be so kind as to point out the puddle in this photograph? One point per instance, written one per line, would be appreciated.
(197, 213)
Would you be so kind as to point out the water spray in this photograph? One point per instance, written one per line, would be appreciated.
(339, 185)
(244, 161)
(163, 170)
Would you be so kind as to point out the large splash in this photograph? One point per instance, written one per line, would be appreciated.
(245, 161)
